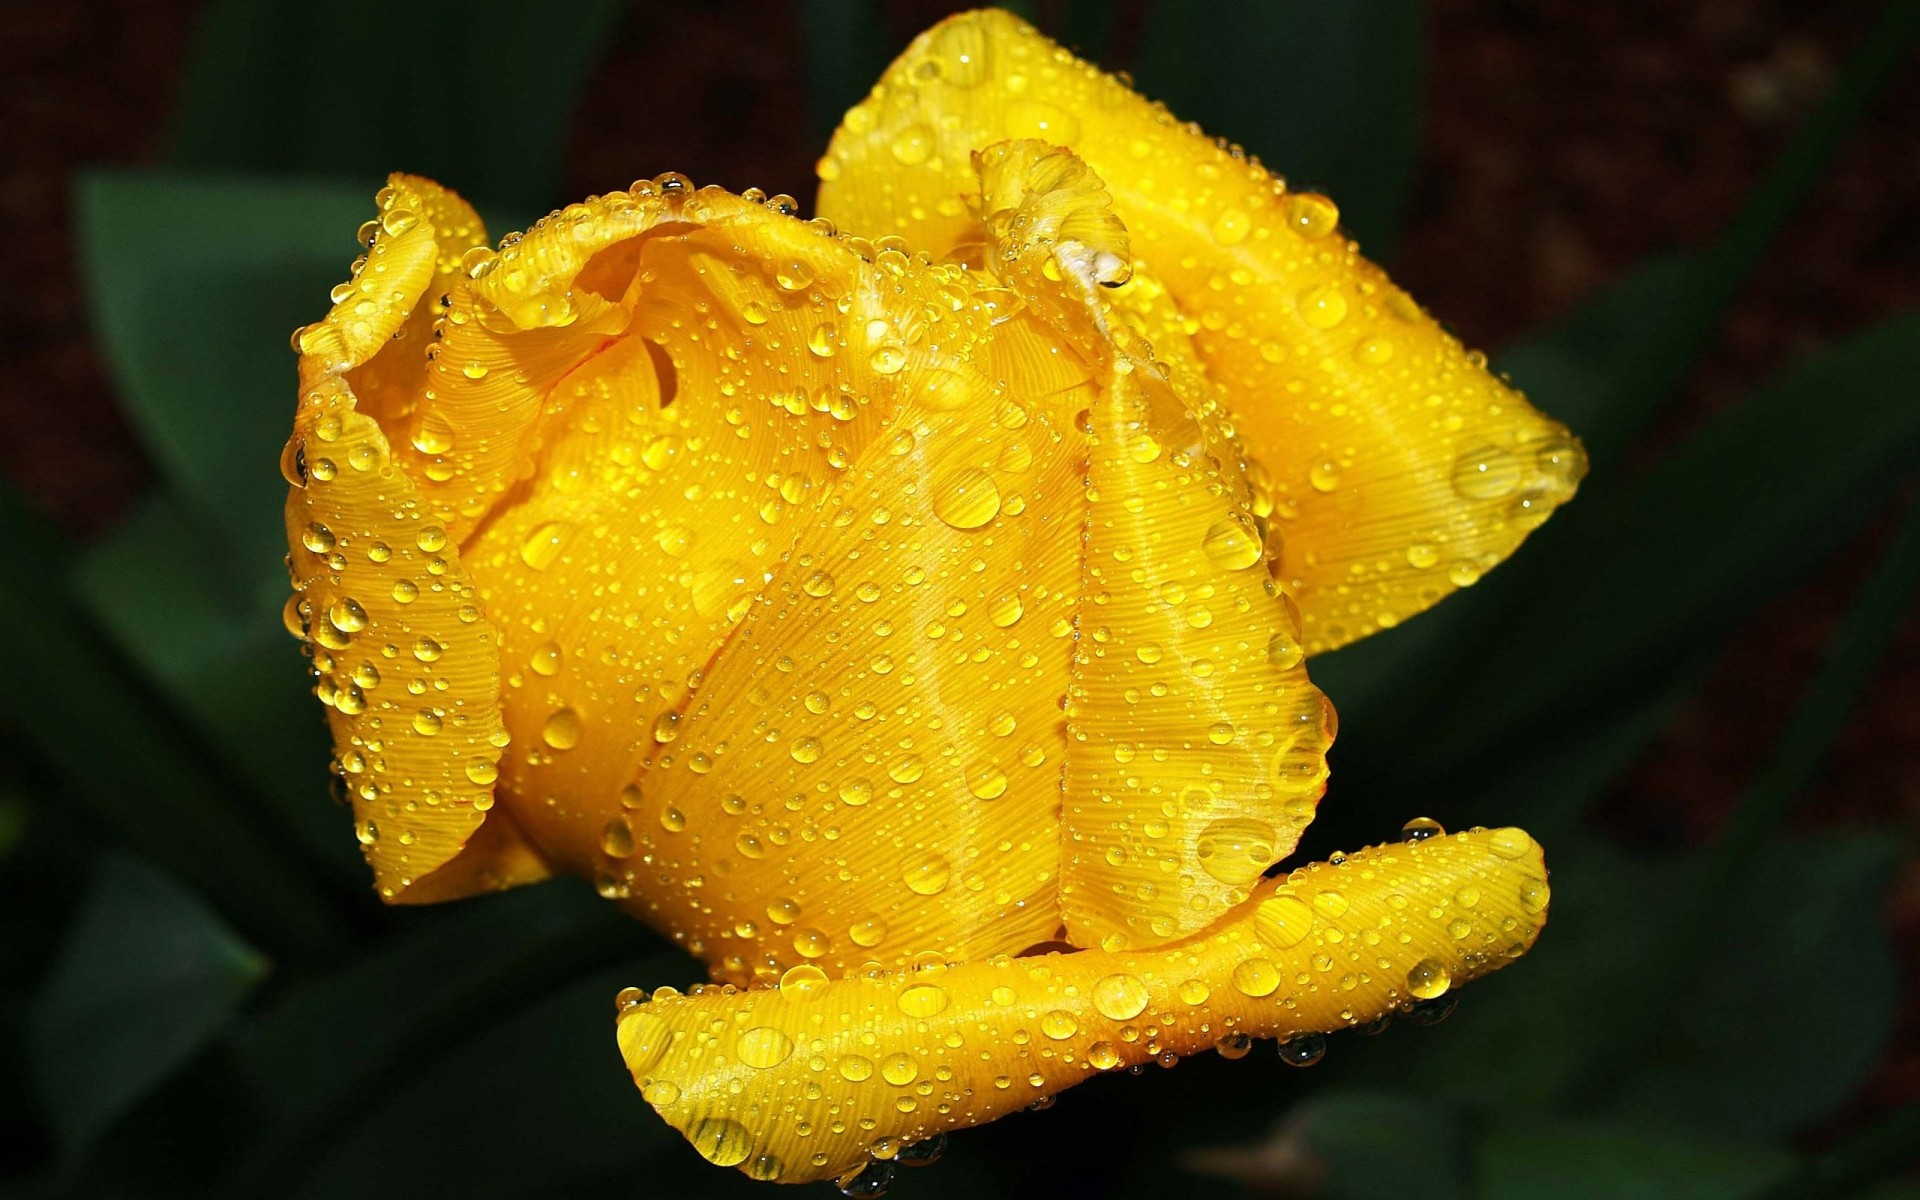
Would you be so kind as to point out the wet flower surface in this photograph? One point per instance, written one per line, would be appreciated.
(908, 611)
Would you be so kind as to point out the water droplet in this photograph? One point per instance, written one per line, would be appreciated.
(1233, 1045)
(616, 838)
(1102, 1056)
(1312, 215)
(1420, 829)
(923, 1000)
(1230, 228)
(928, 875)
(546, 659)
(562, 730)
(1256, 977)
(1059, 1024)
(1195, 991)
(1510, 843)
(543, 545)
(855, 1068)
(1284, 651)
(1324, 477)
(1233, 544)
(804, 750)
(482, 772)
(763, 1046)
(1330, 904)
(1429, 979)
(899, 1069)
(1303, 1049)
(966, 498)
(318, 538)
(721, 1141)
(811, 943)
(672, 819)
(1534, 895)
(1487, 473)
(1006, 609)
(912, 144)
(1235, 850)
(346, 615)
(987, 781)
(426, 722)
(1324, 306)
(1120, 997)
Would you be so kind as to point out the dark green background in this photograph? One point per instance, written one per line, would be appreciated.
(203, 999)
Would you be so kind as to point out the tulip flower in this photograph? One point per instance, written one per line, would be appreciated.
(907, 611)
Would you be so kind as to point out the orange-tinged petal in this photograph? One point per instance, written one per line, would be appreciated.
(1397, 468)
(811, 1079)
(407, 666)
(1197, 748)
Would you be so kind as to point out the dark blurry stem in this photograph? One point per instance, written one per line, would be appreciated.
(1853, 655)
(1662, 361)
(124, 756)
(1856, 1164)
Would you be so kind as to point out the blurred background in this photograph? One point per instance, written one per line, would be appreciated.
(1687, 230)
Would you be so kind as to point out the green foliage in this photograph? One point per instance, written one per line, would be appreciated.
(146, 978)
(1685, 1020)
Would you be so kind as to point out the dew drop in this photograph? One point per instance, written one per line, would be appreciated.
(966, 498)
(1235, 850)
(562, 730)
(616, 838)
(1120, 997)
(1429, 979)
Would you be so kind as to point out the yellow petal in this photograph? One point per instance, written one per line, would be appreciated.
(1197, 748)
(810, 1079)
(870, 767)
(1396, 467)
(406, 664)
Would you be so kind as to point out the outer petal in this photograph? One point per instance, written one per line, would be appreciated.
(406, 665)
(1397, 467)
(1198, 748)
(812, 1078)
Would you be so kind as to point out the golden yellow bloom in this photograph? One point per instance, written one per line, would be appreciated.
(869, 613)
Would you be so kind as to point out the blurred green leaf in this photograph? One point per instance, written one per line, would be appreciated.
(145, 979)
(334, 1048)
(477, 96)
(1326, 94)
(128, 760)
(846, 45)
(1547, 1159)
(1578, 368)
(1375, 1144)
(196, 284)
(1345, 1143)
(225, 662)
(536, 1096)
(1786, 1010)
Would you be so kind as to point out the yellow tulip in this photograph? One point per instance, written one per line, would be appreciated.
(911, 625)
